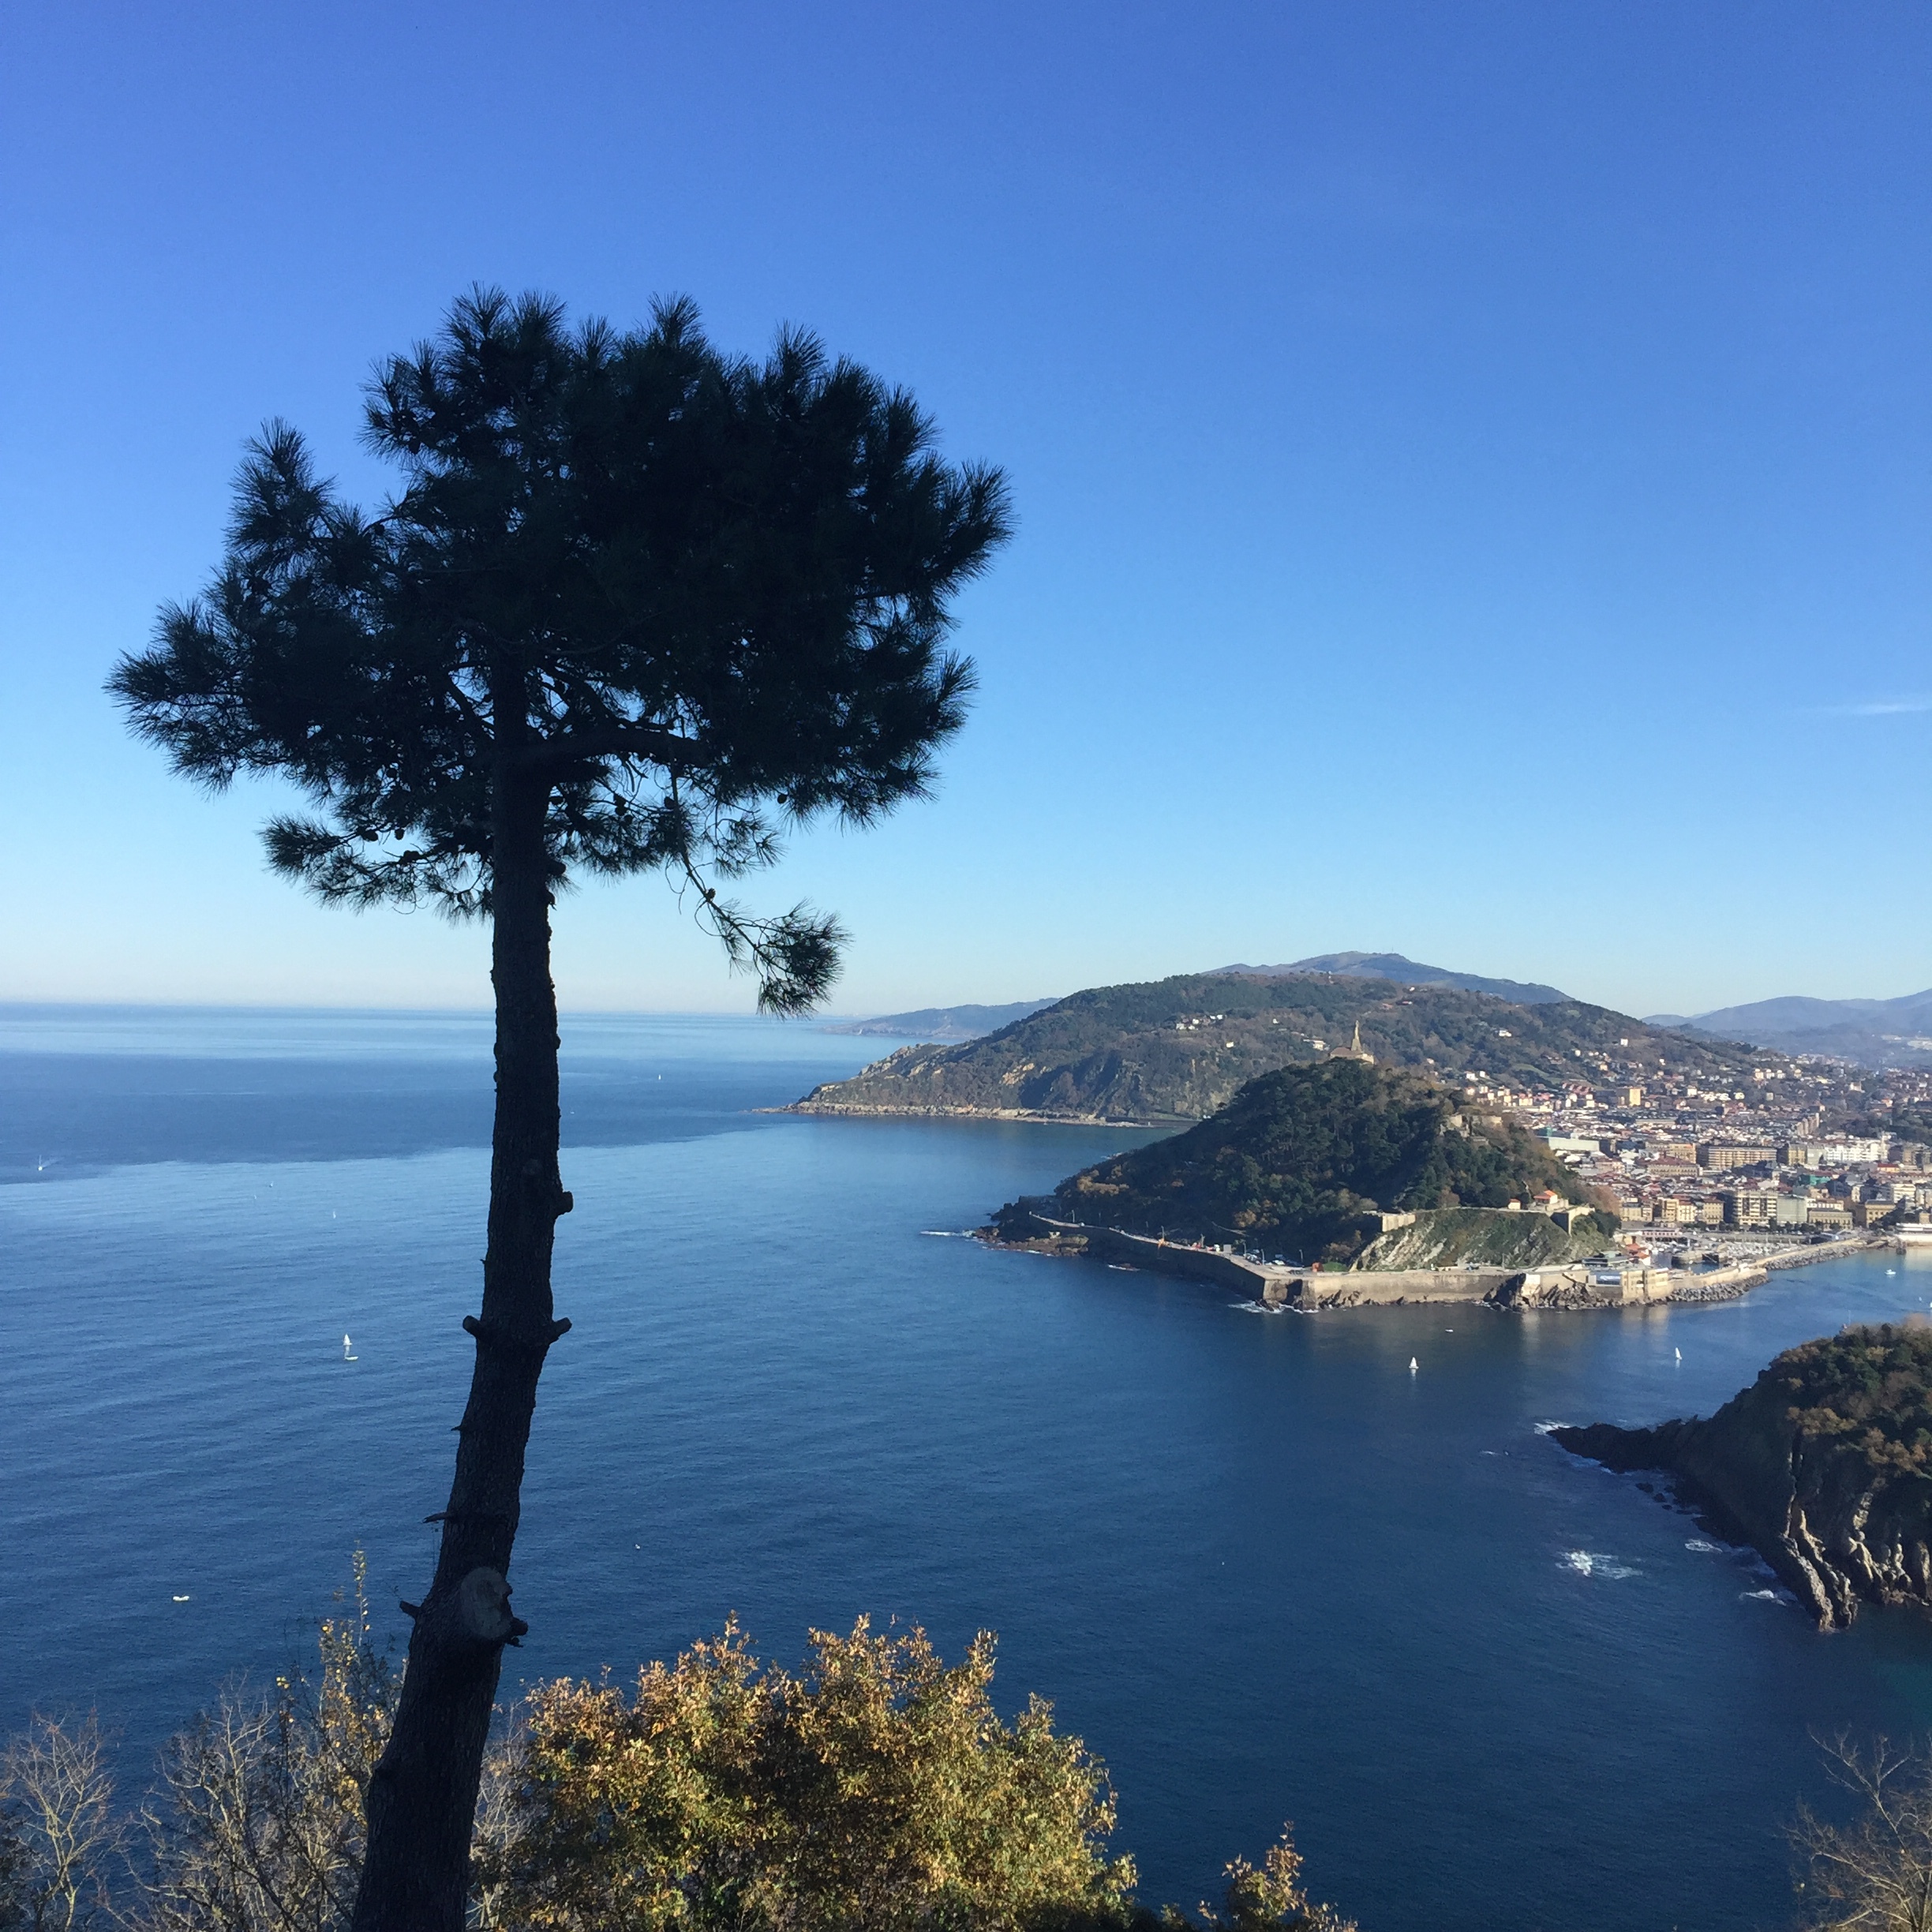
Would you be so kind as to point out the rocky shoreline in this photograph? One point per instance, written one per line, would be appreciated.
(1821, 1466)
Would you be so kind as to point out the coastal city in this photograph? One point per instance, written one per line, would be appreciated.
(1809, 1149)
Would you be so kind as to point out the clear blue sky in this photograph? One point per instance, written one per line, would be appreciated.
(1472, 460)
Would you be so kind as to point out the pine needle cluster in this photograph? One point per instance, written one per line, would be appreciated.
(683, 600)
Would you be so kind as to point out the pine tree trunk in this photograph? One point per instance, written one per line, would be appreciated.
(423, 1795)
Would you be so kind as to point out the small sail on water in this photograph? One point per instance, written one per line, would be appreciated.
(346, 1356)
(1412, 1364)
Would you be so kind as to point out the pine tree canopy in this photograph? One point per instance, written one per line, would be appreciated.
(671, 602)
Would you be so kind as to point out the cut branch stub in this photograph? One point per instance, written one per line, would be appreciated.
(493, 1335)
(483, 1608)
(476, 1614)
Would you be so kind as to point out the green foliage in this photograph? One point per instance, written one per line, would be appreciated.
(1134, 1053)
(879, 1790)
(1864, 1395)
(1300, 1157)
(637, 605)
(1448, 1238)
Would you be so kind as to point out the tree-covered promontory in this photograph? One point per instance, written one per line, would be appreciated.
(1824, 1465)
(1174, 1050)
(1302, 1161)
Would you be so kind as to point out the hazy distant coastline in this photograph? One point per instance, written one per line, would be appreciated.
(943, 1025)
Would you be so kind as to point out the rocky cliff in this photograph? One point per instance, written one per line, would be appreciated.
(1452, 1237)
(1824, 1465)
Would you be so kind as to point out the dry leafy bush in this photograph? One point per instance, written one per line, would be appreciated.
(1270, 1898)
(257, 1823)
(878, 1789)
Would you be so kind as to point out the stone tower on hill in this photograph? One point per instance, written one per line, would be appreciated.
(1354, 1050)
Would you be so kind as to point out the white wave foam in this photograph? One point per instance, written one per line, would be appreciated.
(1543, 1428)
(1595, 1563)
(1763, 1596)
(1697, 1543)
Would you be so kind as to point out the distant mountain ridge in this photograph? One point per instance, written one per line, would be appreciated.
(1875, 1033)
(944, 1024)
(1409, 972)
(953, 1025)
(1173, 1050)
(1871, 1032)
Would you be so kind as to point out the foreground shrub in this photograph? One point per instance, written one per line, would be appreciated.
(60, 1838)
(257, 1823)
(1270, 1899)
(878, 1789)
(1874, 1874)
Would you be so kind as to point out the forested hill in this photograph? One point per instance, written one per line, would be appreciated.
(1300, 1161)
(1174, 1050)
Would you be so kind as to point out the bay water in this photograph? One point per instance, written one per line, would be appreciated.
(1263, 1569)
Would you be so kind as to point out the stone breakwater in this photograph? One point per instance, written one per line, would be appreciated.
(1307, 1289)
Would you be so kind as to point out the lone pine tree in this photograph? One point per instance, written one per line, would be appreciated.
(639, 606)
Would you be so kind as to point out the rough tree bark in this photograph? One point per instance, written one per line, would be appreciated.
(422, 1795)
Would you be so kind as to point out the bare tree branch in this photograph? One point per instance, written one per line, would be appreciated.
(1875, 1874)
(58, 1794)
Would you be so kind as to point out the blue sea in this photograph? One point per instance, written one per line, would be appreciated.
(1265, 1572)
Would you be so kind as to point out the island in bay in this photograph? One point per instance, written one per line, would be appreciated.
(1313, 1176)
(1346, 1185)
(1634, 1161)
(1824, 1466)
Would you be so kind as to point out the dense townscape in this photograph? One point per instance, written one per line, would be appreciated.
(1805, 1147)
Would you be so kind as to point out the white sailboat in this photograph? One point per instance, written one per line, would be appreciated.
(346, 1356)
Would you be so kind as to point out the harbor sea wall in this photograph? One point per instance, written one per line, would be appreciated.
(1259, 1280)
(1311, 1289)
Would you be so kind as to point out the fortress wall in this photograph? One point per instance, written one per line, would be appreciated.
(1295, 1287)
(1569, 1285)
